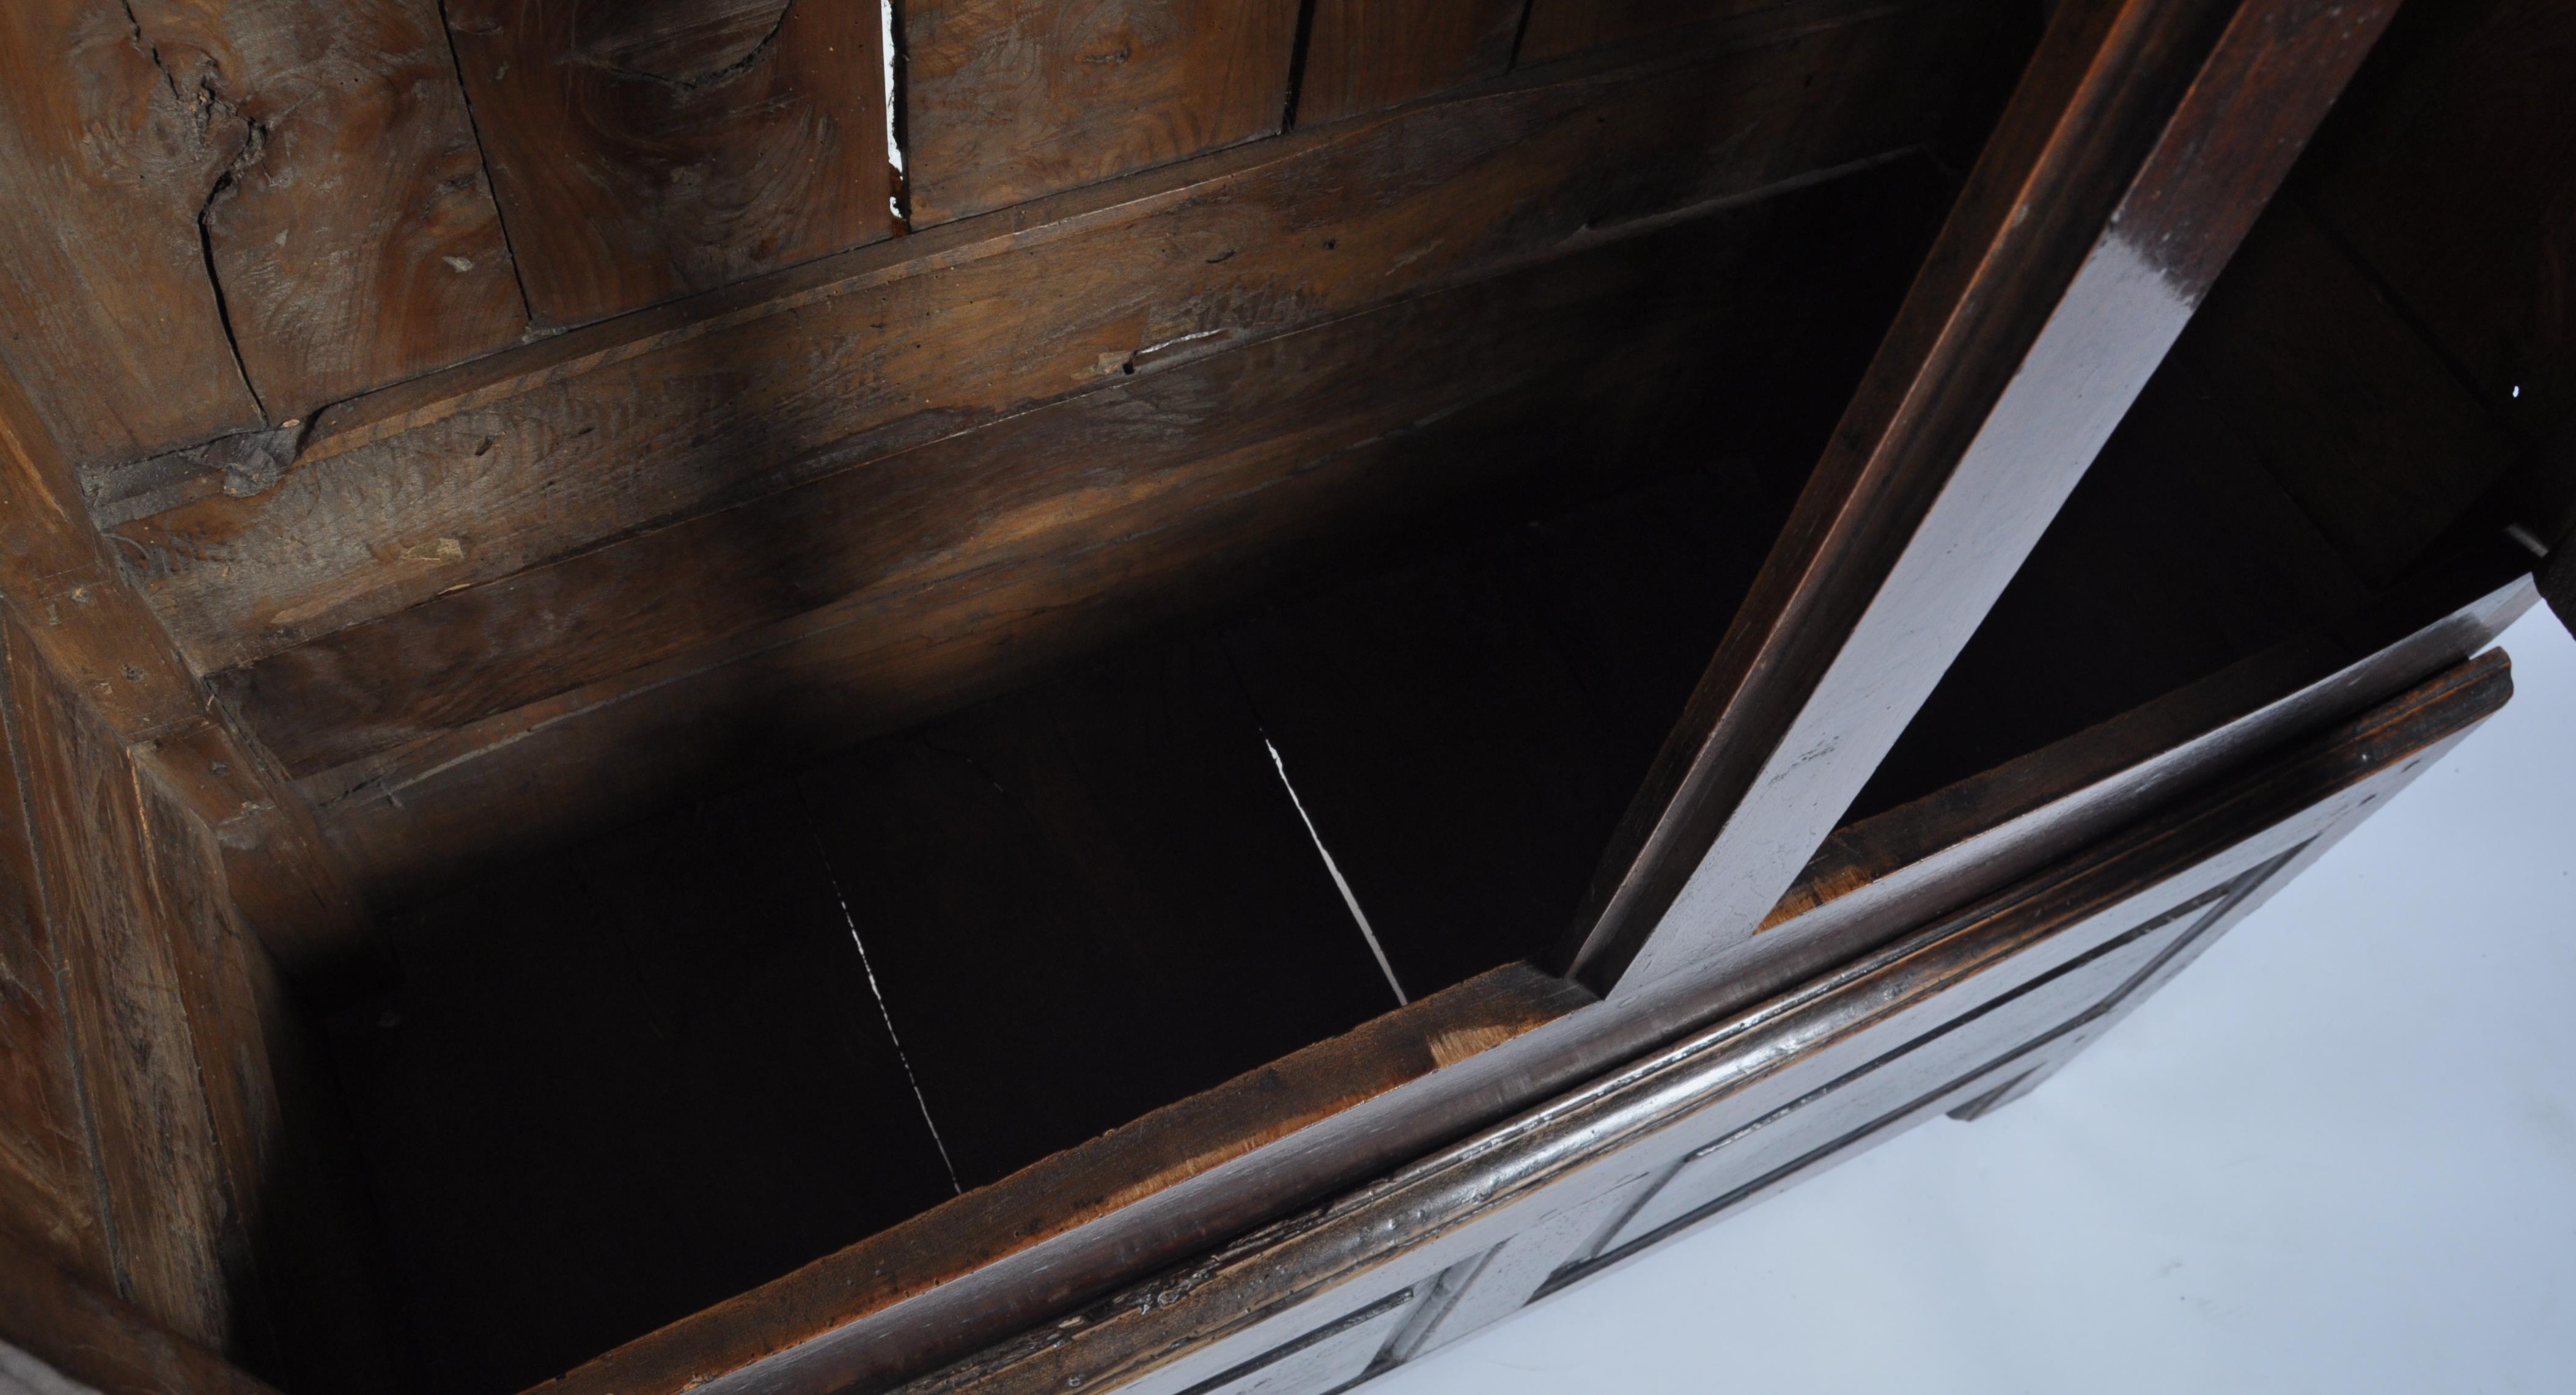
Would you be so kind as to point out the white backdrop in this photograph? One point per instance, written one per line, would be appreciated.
(2337, 1154)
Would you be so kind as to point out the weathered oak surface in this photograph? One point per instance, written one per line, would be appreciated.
(1011, 100)
(644, 150)
(468, 477)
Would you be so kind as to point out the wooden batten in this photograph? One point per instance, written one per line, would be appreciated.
(2137, 152)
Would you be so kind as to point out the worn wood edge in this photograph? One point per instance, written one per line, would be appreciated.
(98, 1340)
(895, 1282)
(2174, 743)
(1234, 1290)
(104, 643)
(2063, 178)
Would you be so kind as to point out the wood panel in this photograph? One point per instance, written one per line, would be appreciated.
(2356, 416)
(2142, 143)
(1454, 412)
(171, 1014)
(163, 1176)
(1368, 55)
(49, 1183)
(644, 150)
(1745, 1160)
(1559, 28)
(2451, 173)
(915, 527)
(1453, 728)
(1465, 730)
(350, 233)
(112, 322)
(1407, 1229)
(1011, 100)
(593, 435)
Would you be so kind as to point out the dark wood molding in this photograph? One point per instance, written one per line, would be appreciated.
(2143, 141)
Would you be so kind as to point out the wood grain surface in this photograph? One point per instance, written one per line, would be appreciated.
(530, 456)
(1367, 55)
(114, 327)
(646, 150)
(350, 232)
(1011, 100)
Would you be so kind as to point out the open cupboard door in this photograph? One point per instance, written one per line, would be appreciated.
(2144, 140)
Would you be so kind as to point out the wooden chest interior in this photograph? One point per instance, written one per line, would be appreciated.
(839, 693)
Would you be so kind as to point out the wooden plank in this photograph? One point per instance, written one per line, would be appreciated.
(646, 150)
(593, 435)
(1560, 28)
(2142, 143)
(1409, 1227)
(113, 323)
(1368, 55)
(350, 233)
(162, 1168)
(81, 1333)
(49, 1183)
(1011, 100)
(1090, 521)
(1138, 461)
(1738, 1165)
(2359, 419)
(2451, 173)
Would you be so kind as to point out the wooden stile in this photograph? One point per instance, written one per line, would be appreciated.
(730, 695)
